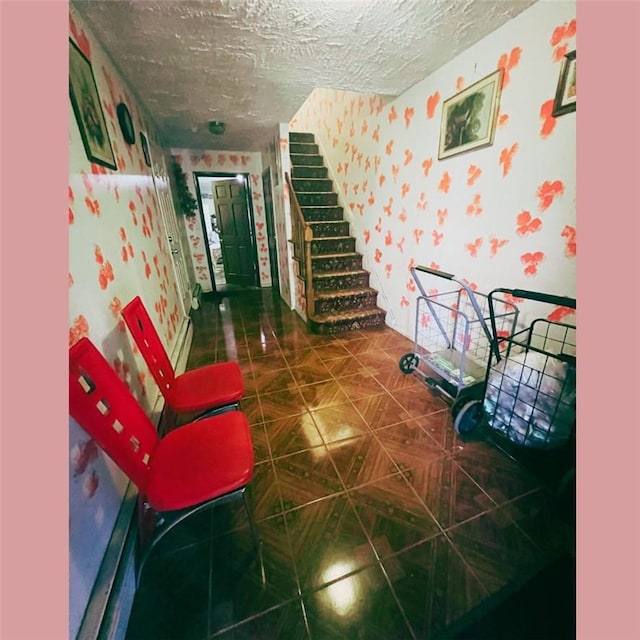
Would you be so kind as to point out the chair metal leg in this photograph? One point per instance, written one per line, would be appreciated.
(166, 521)
(254, 532)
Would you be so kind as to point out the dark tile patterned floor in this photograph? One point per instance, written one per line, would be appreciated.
(376, 519)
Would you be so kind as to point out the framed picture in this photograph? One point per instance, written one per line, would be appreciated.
(565, 101)
(469, 117)
(145, 148)
(88, 110)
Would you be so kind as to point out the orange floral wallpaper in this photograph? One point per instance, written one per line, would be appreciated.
(500, 216)
(117, 241)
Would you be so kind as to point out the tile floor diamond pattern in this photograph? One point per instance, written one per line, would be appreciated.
(361, 460)
(328, 542)
(306, 477)
(392, 515)
(433, 585)
(376, 519)
(292, 434)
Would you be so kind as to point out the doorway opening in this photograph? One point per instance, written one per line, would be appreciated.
(226, 215)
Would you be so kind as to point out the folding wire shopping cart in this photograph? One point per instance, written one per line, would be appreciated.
(452, 338)
(530, 390)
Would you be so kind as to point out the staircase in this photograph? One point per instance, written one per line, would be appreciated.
(344, 301)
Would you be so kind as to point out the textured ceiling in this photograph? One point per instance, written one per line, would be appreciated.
(252, 63)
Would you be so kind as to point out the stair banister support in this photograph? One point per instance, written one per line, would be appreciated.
(302, 238)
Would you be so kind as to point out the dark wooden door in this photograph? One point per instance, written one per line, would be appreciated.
(236, 238)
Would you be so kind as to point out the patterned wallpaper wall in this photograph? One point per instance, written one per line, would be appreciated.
(225, 162)
(501, 216)
(117, 241)
(117, 249)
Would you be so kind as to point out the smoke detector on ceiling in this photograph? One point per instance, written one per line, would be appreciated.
(216, 127)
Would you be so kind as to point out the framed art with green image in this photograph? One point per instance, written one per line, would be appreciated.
(469, 117)
(85, 101)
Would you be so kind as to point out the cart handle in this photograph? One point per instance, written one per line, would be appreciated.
(464, 285)
(435, 272)
(561, 301)
(527, 295)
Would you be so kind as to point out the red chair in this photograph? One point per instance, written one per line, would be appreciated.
(211, 389)
(202, 463)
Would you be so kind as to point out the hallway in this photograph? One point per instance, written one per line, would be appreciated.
(376, 520)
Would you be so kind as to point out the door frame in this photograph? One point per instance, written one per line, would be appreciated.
(204, 230)
(170, 223)
(274, 265)
(252, 226)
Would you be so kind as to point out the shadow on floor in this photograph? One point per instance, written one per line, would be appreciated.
(543, 608)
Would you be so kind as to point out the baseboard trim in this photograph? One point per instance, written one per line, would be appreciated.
(180, 364)
(113, 591)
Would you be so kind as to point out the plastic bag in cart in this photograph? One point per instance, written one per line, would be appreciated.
(530, 397)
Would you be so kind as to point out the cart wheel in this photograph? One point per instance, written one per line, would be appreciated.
(458, 404)
(409, 362)
(468, 417)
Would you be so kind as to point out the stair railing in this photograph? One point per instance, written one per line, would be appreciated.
(302, 237)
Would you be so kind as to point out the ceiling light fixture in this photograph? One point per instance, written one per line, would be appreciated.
(216, 127)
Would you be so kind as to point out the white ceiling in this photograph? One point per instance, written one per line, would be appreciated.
(252, 63)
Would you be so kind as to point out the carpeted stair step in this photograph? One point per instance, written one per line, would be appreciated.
(346, 300)
(312, 199)
(306, 160)
(340, 322)
(313, 185)
(322, 213)
(301, 136)
(330, 229)
(307, 148)
(340, 280)
(336, 262)
(328, 246)
(308, 172)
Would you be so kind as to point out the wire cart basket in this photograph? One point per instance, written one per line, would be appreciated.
(452, 337)
(530, 390)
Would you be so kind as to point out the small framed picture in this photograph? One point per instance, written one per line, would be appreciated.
(145, 148)
(85, 101)
(469, 117)
(565, 101)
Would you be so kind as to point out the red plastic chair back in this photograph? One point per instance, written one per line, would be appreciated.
(104, 407)
(146, 337)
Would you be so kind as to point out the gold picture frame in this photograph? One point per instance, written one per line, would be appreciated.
(565, 101)
(85, 101)
(469, 118)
